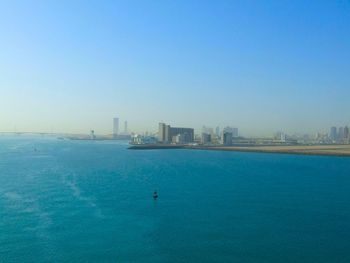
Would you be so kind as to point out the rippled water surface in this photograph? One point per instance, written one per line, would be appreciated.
(91, 201)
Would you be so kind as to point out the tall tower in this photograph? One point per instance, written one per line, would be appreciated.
(333, 133)
(125, 127)
(346, 132)
(161, 132)
(115, 127)
(341, 133)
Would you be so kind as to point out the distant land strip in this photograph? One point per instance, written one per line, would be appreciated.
(327, 150)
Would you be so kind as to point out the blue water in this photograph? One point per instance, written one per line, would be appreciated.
(90, 201)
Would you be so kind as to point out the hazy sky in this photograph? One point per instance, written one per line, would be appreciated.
(261, 66)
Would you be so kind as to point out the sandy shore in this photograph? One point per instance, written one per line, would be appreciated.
(334, 150)
(331, 150)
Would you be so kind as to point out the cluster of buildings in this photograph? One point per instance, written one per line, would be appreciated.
(116, 133)
(339, 135)
(336, 135)
(229, 136)
(180, 135)
(226, 137)
(176, 135)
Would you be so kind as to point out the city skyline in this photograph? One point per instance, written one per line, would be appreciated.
(258, 66)
(333, 132)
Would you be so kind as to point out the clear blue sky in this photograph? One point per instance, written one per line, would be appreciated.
(261, 66)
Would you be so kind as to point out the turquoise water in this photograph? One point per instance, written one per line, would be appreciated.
(86, 201)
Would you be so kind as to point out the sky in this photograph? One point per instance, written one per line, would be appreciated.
(261, 66)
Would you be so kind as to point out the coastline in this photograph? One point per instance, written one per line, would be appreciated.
(155, 146)
(321, 150)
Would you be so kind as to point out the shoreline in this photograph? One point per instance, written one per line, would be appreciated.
(317, 150)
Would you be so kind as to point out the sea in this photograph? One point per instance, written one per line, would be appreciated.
(92, 201)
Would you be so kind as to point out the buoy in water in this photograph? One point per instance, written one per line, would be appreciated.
(155, 195)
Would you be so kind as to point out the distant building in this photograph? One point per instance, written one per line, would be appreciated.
(283, 137)
(217, 131)
(126, 127)
(333, 133)
(226, 137)
(168, 134)
(208, 130)
(92, 135)
(117, 135)
(139, 139)
(179, 138)
(187, 134)
(161, 133)
(341, 133)
(346, 132)
(206, 138)
(235, 132)
(228, 133)
(115, 127)
(229, 129)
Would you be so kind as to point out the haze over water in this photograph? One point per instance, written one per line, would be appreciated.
(91, 201)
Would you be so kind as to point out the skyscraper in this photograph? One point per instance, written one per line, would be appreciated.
(346, 132)
(234, 131)
(161, 133)
(341, 133)
(115, 127)
(125, 127)
(206, 138)
(333, 133)
(226, 137)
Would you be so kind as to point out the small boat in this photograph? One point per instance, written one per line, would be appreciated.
(155, 195)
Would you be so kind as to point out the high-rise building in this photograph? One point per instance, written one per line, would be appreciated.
(186, 133)
(346, 132)
(226, 137)
(209, 130)
(167, 134)
(115, 127)
(161, 133)
(125, 127)
(206, 138)
(333, 133)
(341, 133)
(234, 131)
